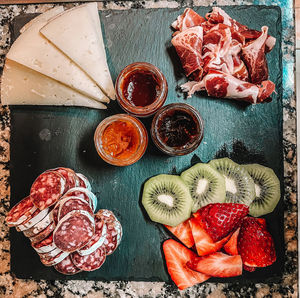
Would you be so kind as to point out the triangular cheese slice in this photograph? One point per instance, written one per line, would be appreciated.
(77, 33)
(23, 86)
(34, 51)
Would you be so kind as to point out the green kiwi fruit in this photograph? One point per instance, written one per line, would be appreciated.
(267, 189)
(167, 200)
(239, 184)
(206, 185)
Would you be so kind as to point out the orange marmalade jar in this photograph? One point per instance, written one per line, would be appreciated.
(121, 140)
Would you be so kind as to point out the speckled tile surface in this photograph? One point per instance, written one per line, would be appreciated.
(12, 287)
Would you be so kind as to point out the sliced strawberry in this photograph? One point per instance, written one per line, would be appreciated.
(177, 255)
(218, 264)
(248, 268)
(231, 246)
(203, 242)
(183, 232)
(255, 244)
(222, 218)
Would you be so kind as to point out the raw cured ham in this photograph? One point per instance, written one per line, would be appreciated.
(188, 45)
(187, 20)
(222, 85)
(67, 267)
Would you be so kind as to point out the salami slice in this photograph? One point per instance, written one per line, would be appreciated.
(50, 254)
(83, 193)
(54, 260)
(47, 189)
(89, 262)
(55, 213)
(45, 245)
(37, 216)
(39, 226)
(74, 231)
(69, 204)
(67, 267)
(43, 234)
(20, 212)
(69, 175)
(83, 181)
(98, 238)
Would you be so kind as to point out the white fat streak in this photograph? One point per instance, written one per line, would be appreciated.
(52, 253)
(230, 185)
(227, 19)
(201, 186)
(255, 46)
(34, 220)
(43, 224)
(192, 87)
(257, 190)
(166, 199)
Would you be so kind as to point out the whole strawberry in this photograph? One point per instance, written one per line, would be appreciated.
(221, 219)
(255, 244)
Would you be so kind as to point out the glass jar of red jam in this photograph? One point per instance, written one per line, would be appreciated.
(177, 129)
(121, 139)
(141, 89)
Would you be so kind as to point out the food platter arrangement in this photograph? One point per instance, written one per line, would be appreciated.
(174, 119)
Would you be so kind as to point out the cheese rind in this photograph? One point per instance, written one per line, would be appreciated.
(23, 86)
(85, 47)
(34, 51)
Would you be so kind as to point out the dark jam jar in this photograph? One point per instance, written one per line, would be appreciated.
(141, 89)
(177, 129)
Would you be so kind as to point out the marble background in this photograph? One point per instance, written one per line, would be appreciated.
(10, 286)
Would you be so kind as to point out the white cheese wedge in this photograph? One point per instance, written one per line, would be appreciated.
(34, 51)
(23, 86)
(77, 33)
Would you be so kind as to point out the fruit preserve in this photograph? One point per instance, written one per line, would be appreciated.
(177, 129)
(121, 139)
(141, 89)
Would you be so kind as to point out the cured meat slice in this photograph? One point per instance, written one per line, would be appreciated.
(69, 175)
(83, 181)
(37, 216)
(187, 20)
(55, 259)
(98, 238)
(219, 84)
(67, 267)
(254, 57)
(39, 226)
(188, 45)
(89, 262)
(45, 245)
(50, 254)
(55, 213)
(47, 189)
(83, 193)
(43, 234)
(21, 212)
(74, 231)
(69, 204)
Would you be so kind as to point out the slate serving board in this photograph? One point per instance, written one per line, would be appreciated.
(48, 137)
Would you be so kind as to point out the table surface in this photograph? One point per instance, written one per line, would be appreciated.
(12, 287)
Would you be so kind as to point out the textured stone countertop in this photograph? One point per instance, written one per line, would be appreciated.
(10, 286)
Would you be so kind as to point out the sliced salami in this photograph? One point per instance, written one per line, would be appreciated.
(67, 267)
(39, 226)
(89, 262)
(50, 254)
(54, 260)
(20, 212)
(69, 204)
(45, 245)
(74, 231)
(69, 175)
(37, 216)
(55, 213)
(47, 189)
(43, 234)
(83, 193)
(98, 238)
(83, 181)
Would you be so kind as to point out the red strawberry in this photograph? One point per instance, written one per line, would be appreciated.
(248, 268)
(203, 242)
(177, 255)
(262, 222)
(218, 264)
(231, 246)
(255, 244)
(222, 218)
(183, 232)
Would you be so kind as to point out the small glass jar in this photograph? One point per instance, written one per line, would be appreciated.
(121, 139)
(177, 129)
(141, 89)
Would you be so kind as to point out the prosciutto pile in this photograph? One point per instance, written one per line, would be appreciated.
(223, 57)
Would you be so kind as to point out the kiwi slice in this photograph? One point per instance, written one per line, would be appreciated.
(238, 183)
(167, 200)
(267, 189)
(206, 185)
